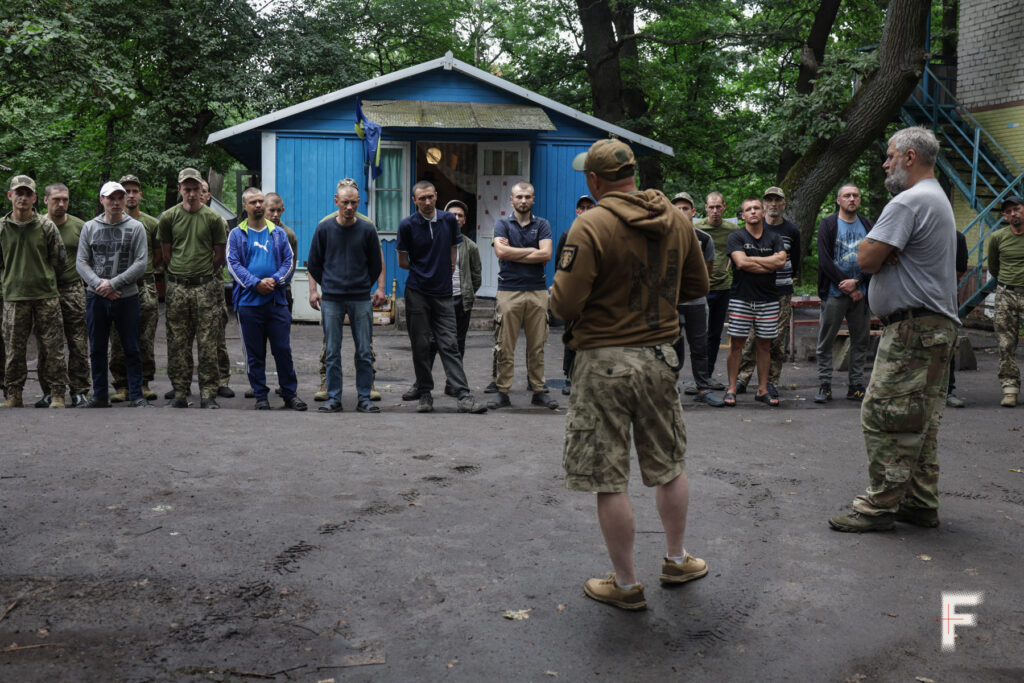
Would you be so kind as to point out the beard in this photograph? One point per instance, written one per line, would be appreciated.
(897, 180)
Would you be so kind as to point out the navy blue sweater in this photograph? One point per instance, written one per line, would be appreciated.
(344, 260)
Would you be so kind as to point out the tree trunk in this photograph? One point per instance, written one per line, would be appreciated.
(609, 64)
(873, 107)
(811, 58)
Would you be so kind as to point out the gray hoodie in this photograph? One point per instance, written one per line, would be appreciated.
(115, 252)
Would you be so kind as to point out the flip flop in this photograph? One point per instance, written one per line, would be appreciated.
(768, 399)
(729, 399)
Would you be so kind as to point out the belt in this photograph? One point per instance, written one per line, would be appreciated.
(190, 281)
(905, 314)
(1012, 288)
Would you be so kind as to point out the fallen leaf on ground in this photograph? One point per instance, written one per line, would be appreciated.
(453, 663)
(971, 571)
(1017, 470)
(517, 614)
(561, 608)
(893, 615)
(923, 557)
(923, 679)
(551, 673)
(364, 659)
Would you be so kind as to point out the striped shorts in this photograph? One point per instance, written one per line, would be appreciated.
(763, 315)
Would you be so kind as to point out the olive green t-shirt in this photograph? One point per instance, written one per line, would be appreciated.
(31, 255)
(152, 239)
(69, 233)
(1006, 257)
(192, 237)
(721, 278)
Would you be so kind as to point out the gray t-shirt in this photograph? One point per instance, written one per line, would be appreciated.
(117, 253)
(920, 223)
(707, 246)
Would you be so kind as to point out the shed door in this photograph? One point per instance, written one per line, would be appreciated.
(500, 166)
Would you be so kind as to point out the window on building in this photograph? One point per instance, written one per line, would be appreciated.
(390, 191)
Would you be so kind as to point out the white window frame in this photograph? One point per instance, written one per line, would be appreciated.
(406, 172)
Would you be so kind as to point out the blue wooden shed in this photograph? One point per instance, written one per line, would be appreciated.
(471, 133)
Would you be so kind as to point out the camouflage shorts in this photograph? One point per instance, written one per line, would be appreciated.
(615, 389)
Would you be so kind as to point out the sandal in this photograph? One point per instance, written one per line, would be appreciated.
(768, 399)
(729, 399)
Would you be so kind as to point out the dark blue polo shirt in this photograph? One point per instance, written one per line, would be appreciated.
(514, 276)
(429, 246)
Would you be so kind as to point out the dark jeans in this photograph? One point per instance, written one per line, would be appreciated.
(568, 357)
(693, 321)
(432, 319)
(718, 311)
(272, 323)
(100, 314)
(461, 324)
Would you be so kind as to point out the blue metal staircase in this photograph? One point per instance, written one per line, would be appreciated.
(970, 159)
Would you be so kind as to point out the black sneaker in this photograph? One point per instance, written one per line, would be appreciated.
(249, 393)
(500, 401)
(413, 394)
(449, 391)
(94, 403)
(855, 393)
(78, 399)
(741, 388)
(567, 388)
(140, 403)
(262, 404)
(824, 394)
(542, 399)
(170, 394)
(210, 403)
(426, 404)
(295, 403)
(178, 402)
(773, 390)
(491, 388)
(224, 391)
(44, 402)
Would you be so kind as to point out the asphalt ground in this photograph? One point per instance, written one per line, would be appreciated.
(235, 545)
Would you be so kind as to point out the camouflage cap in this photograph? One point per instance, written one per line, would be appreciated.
(190, 174)
(22, 181)
(683, 197)
(611, 159)
(129, 178)
(774, 192)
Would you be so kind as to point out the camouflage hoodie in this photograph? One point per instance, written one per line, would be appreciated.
(625, 265)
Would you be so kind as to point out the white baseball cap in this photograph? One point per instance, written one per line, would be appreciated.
(110, 188)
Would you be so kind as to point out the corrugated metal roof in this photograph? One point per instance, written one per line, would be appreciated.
(431, 114)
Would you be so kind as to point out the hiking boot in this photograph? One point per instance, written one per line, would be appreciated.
(210, 403)
(224, 391)
(491, 388)
(120, 395)
(295, 403)
(824, 394)
(709, 397)
(608, 592)
(170, 394)
(44, 402)
(375, 395)
(262, 404)
(954, 401)
(859, 523)
(691, 568)
(1009, 399)
(426, 403)
(468, 404)
(178, 402)
(855, 393)
(57, 402)
(321, 394)
(500, 401)
(923, 517)
(13, 399)
(542, 399)
(414, 394)
(148, 393)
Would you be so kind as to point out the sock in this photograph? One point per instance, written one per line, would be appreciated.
(627, 587)
(678, 560)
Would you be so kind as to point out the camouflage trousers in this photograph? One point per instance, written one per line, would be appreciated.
(615, 389)
(76, 337)
(223, 361)
(778, 347)
(149, 314)
(3, 352)
(901, 412)
(193, 313)
(42, 316)
(1008, 318)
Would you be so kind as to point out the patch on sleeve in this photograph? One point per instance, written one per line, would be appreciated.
(567, 257)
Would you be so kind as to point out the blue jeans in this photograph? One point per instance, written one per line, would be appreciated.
(100, 313)
(360, 316)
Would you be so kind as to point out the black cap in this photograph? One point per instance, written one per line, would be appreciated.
(1012, 199)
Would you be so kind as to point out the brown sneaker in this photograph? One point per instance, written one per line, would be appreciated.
(859, 523)
(607, 591)
(322, 394)
(121, 395)
(691, 568)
